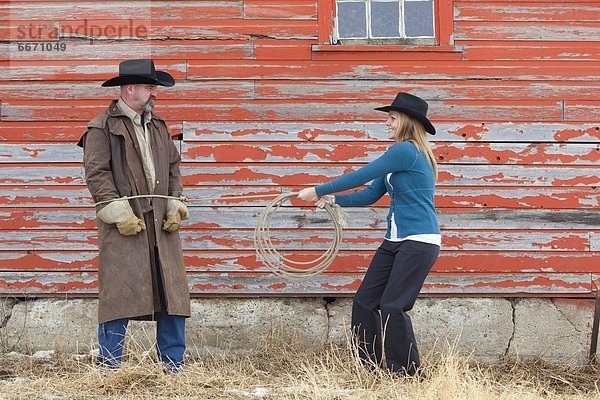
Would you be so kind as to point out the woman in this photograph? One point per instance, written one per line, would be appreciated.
(407, 172)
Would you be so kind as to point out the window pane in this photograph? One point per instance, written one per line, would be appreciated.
(385, 18)
(352, 20)
(418, 18)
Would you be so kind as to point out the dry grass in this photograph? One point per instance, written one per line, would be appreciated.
(284, 371)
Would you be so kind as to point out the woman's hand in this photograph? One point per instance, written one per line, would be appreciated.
(308, 194)
(327, 199)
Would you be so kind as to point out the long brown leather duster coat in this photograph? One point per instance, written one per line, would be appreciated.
(113, 168)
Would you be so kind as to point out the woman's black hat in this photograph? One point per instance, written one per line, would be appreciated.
(140, 71)
(412, 105)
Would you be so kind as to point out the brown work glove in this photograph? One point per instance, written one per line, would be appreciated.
(131, 226)
(171, 224)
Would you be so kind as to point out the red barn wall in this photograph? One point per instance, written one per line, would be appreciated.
(265, 106)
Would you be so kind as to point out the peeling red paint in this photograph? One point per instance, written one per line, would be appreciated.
(516, 262)
(541, 282)
(584, 180)
(33, 152)
(349, 286)
(531, 154)
(277, 286)
(206, 287)
(565, 242)
(470, 132)
(566, 135)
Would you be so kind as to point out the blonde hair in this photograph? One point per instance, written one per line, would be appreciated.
(410, 129)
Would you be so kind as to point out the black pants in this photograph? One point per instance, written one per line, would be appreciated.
(389, 289)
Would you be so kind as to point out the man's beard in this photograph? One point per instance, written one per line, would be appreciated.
(149, 105)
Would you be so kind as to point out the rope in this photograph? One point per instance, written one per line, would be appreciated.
(124, 198)
(185, 199)
(265, 250)
(281, 265)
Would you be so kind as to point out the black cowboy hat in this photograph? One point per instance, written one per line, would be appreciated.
(412, 105)
(140, 71)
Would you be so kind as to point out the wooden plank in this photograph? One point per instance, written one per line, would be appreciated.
(21, 30)
(517, 240)
(70, 131)
(78, 196)
(425, 70)
(463, 175)
(524, 11)
(529, 154)
(75, 70)
(216, 90)
(33, 283)
(534, 197)
(370, 131)
(273, 49)
(279, 9)
(528, 30)
(353, 240)
(511, 262)
(356, 152)
(582, 110)
(249, 174)
(530, 1)
(296, 218)
(507, 176)
(120, 50)
(25, 197)
(155, 9)
(448, 262)
(49, 240)
(287, 110)
(375, 218)
(446, 196)
(17, 175)
(345, 261)
(467, 89)
(359, 54)
(508, 284)
(81, 70)
(533, 50)
(186, 28)
(44, 153)
(48, 261)
(202, 284)
(40, 131)
(64, 131)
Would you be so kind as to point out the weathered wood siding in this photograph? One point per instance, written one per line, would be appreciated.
(265, 105)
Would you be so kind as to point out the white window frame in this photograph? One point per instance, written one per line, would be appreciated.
(370, 39)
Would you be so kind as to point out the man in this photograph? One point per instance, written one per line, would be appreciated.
(128, 151)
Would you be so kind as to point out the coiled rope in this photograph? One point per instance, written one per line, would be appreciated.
(265, 250)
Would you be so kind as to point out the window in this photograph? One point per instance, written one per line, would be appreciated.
(384, 19)
(412, 26)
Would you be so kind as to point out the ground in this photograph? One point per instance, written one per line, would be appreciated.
(284, 371)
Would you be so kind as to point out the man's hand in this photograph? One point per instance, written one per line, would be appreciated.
(119, 212)
(308, 194)
(171, 224)
(131, 226)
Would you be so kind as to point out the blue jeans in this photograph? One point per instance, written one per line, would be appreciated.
(170, 340)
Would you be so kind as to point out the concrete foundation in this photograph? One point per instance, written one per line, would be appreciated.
(485, 329)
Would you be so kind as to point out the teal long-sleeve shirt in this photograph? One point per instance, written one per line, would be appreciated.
(404, 173)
